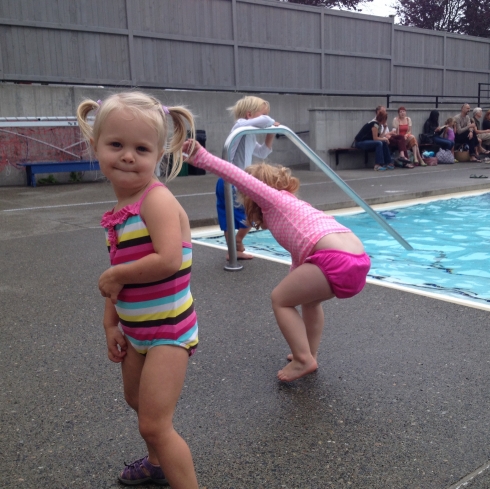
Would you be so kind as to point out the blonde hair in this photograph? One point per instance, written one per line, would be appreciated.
(144, 105)
(247, 104)
(449, 121)
(278, 177)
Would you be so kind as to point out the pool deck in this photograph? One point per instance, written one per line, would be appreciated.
(400, 399)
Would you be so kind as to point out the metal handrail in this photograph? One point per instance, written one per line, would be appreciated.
(300, 144)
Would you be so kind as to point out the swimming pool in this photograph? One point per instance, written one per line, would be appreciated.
(450, 237)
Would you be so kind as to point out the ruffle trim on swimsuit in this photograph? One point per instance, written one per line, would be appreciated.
(111, 219)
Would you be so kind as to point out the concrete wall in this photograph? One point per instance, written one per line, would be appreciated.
(19, 100)
(325, 122)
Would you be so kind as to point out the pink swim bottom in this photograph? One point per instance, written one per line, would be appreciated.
(346, 272)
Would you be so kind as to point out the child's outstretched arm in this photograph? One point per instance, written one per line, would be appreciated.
(258, 191)
(161, 213)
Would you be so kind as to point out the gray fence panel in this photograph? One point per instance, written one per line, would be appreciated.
(349, 74)
(354, 36)
(71, 55)
(468, 54)
(279, 27)
(418, 49)
(239, 45)
(107, 13)
(412, 80)
(169, 64)
(462, 82)
(280, 69)
(210, 19)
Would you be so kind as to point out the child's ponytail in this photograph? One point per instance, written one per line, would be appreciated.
(83, 111)
(183, 121)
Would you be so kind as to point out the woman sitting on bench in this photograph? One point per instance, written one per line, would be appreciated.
(368, 138)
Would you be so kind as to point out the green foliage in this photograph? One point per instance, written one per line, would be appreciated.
(75, 176)
(468, 17)
(49, 180)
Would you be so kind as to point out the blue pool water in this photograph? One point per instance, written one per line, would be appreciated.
(451, 241)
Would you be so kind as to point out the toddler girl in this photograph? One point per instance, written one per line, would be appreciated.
(328, 260)
(149, 318)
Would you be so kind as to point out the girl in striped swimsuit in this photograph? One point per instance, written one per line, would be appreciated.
(328, 259)
(149, 319)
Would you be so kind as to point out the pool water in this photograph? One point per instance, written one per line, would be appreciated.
(450, 237)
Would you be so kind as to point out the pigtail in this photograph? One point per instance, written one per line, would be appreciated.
(83, 111)
(183, 120)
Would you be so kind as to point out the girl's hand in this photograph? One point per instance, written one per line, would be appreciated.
(276, 124)
(187, 147)
(108, 286)
(116, 344)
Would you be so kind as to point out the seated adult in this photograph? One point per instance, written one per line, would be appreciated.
(395, 142)
(482, 134)
(368, 138)
(486, 121)
(403, 126)
(465, 131)
(435, 132)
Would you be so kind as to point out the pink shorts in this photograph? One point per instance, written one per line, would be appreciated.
(346, 272)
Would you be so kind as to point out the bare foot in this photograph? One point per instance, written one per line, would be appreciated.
(290, 357)
(295, 370)
(240, 256)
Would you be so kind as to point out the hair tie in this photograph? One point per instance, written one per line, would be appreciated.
(165, 109)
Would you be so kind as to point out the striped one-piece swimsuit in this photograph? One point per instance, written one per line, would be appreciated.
(157, 313)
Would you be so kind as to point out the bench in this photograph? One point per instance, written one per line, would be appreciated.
(351, 150)
(57, 167)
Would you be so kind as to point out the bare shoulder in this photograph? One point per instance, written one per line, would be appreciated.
(162, 205)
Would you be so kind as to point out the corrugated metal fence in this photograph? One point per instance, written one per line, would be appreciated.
(238, 45)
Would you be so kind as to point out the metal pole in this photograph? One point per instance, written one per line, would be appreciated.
(232, 265)
(285, 131)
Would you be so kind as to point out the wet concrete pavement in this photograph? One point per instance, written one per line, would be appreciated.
(400, 399)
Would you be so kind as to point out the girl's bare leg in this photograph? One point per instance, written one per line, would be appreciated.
(305, 285)
(131, 367)
(314, 320)
(161, 382)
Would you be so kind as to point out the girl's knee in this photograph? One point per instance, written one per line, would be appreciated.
(153, 430)
(275, 298)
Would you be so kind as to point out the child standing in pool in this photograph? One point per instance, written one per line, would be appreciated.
(149, 319)
(248, 111)
(328, 260)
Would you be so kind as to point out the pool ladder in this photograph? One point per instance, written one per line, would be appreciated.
(233, 264)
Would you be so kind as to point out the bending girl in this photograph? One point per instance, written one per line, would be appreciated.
(328, 260)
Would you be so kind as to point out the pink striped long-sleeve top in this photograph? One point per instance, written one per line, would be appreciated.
(295, 224)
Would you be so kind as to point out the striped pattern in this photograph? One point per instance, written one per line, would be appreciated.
(157, 313)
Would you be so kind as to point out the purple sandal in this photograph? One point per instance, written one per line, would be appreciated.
(142, 471)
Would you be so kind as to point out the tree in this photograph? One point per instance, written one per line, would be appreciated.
(469, 17)
(343, 4)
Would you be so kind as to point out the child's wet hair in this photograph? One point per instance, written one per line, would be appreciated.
(246, 104)
(142, 105)
(275, 176)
